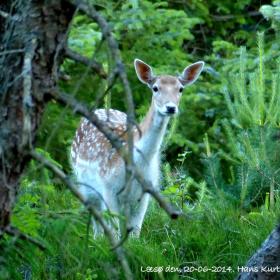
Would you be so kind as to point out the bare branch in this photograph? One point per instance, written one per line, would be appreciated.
(111, 81)
(228, 17)
(97, 216)
(93, 64)
(11, 52)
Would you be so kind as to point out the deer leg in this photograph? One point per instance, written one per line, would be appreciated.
(92, 189)
(137, 216)
(114, 212)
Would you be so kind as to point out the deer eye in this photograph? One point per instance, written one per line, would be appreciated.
(181, 89)
(155, 88)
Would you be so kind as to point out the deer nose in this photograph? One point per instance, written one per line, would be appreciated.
(171, 109)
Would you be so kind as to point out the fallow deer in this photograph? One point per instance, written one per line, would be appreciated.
(99, 168)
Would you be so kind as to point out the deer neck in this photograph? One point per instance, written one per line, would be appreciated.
(152, 128)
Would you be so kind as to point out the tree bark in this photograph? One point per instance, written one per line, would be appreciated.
(265, 263)
(32, 37)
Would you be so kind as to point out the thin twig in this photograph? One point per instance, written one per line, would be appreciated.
(111, 81)
(228, 17)
(92, 63)
(61, 46)
(3, 53)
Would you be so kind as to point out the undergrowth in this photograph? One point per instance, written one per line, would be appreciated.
(214, 232)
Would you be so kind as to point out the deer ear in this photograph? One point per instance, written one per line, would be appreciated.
(191, 73)
(144, 71)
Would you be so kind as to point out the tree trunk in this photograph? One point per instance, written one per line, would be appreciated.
(265, 263)
(32, 36)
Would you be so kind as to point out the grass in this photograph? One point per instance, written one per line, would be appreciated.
(214, 233)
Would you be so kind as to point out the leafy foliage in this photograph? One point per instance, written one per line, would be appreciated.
(251, 132)
(221, 161)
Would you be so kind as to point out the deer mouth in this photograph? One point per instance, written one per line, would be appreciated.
(171, 111)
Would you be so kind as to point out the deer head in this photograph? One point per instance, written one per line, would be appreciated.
(167, 90)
